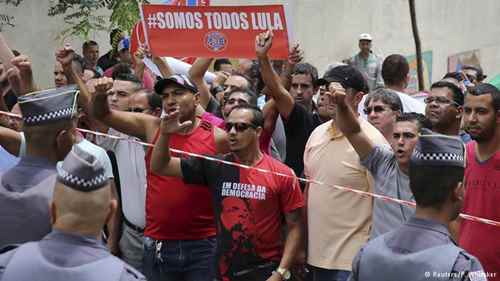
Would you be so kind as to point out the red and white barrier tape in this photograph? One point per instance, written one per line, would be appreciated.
(343, 188)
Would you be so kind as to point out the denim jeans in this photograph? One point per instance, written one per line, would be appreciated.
(179, 260)
(321, 274)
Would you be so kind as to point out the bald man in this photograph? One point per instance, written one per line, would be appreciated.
(82, 204)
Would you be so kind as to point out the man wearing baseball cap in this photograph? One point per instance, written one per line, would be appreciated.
(180, 231)
(336, 234)
(368, 63)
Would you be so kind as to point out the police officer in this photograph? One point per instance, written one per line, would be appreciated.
(82, 204)
(422, 249)
(49, 127)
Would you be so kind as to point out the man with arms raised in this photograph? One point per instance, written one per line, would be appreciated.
(422, 248)
(177, 216)
(250, 205)
(389, 167)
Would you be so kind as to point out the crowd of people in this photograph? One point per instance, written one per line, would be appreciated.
(122, 174)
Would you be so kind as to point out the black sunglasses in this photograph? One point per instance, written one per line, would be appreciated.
(239, 127)
(376, 109)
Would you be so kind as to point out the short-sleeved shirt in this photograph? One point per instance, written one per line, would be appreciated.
(482, 194)
(371, 68)
(339, 222)
(298, 128)
(389, 181)
(175, 210)
(249, 208)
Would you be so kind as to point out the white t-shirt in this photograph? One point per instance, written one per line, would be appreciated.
(130, 158)
(85, 145)
(410, 104)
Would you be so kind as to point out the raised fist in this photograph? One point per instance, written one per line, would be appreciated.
(103, 85)
(263, 43)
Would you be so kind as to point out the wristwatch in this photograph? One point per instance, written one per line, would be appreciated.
(283, 272)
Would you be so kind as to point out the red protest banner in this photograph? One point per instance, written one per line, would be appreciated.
(137, 37)
(223, 31)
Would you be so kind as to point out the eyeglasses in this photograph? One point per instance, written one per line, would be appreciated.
(376, 109)
(439, 100)
(239, 127)
(137, 109)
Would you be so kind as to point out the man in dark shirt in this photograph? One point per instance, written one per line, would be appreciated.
(296, 107)
(250, 205)
(110, 58)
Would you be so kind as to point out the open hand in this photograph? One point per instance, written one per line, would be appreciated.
(171, 123)
(263, 42)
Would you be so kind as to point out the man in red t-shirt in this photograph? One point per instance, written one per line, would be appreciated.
(482, 177)
(179, 235)
(249, 204)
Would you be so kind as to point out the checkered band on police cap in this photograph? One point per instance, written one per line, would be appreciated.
(81, 171)
(438, 150)
(48, 106)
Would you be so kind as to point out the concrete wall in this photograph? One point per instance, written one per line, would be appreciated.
(326, 29)
(34, 33)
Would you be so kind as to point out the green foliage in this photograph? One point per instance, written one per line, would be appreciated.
(125, 13)
(83, 16)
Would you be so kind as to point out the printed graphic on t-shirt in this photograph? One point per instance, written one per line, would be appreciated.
(237, 240)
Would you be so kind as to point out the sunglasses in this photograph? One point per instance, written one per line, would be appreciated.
(376, 109)
(239, 127)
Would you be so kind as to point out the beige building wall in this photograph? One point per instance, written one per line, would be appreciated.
(326, 29)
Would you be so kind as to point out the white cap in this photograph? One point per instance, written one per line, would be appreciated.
(365, 36)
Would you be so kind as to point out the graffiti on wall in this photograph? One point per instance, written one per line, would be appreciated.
(6, 21)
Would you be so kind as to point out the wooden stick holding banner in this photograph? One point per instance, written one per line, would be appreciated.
(216, 31)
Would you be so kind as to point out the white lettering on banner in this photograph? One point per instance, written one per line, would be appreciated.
(243, 190)
(262, 21)
(175, 20)
(215, 20)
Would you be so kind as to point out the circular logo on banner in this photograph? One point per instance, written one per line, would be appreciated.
(215, 41)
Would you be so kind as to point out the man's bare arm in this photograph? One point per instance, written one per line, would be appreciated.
(139, 125)
(10, 140)
(196, 73)
(284, 101)
(294, 238)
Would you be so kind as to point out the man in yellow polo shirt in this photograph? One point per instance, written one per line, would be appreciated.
(339, 222)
